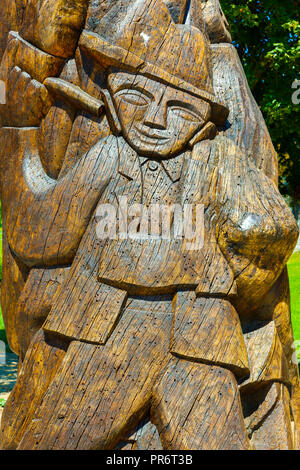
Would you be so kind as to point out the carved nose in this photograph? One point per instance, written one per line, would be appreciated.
(156, 117)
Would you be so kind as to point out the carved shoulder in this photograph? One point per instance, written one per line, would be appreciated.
(254, 227)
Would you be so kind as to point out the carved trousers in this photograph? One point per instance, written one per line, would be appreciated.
(100, 394)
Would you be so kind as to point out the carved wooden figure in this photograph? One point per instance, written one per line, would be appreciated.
(140, 342)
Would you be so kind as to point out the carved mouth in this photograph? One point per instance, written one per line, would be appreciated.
(148, 137)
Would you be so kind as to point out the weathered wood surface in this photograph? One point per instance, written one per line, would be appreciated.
(139, 343)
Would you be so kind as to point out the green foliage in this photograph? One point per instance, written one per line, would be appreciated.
(2, 329)
(266, 34)
(2, 402)
(294, 275)
(0, 245)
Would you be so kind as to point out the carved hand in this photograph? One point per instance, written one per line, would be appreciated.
(54, 25)
(27, 100)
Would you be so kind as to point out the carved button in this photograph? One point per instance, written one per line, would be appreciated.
(153, 165)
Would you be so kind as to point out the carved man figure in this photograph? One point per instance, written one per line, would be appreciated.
(140, 341)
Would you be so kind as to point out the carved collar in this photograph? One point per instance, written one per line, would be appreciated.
(130, 162)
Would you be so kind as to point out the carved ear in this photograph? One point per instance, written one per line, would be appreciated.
(209, 131)
(111, 112)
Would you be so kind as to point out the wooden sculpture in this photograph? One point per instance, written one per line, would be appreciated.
(140, 343)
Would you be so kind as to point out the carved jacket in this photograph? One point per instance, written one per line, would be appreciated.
(61, 226)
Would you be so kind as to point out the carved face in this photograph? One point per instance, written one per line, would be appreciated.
(156, 119)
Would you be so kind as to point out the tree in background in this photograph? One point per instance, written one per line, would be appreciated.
(266, 35)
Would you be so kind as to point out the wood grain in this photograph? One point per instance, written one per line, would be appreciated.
(130, 342)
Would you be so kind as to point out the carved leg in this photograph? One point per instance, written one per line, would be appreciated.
(265, 394)
(38, 369)
(40, 291)
(198, 407)
(14, 275)
(101, 393)
(145, 437)
(268, 418)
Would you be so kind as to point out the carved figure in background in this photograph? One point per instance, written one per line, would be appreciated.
(141, 343)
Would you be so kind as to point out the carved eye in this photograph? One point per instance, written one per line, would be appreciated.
(133, 97)
(186, 114)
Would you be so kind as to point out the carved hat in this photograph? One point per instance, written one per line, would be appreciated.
(140, 36)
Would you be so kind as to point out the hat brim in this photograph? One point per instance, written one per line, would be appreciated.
(110, 55)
